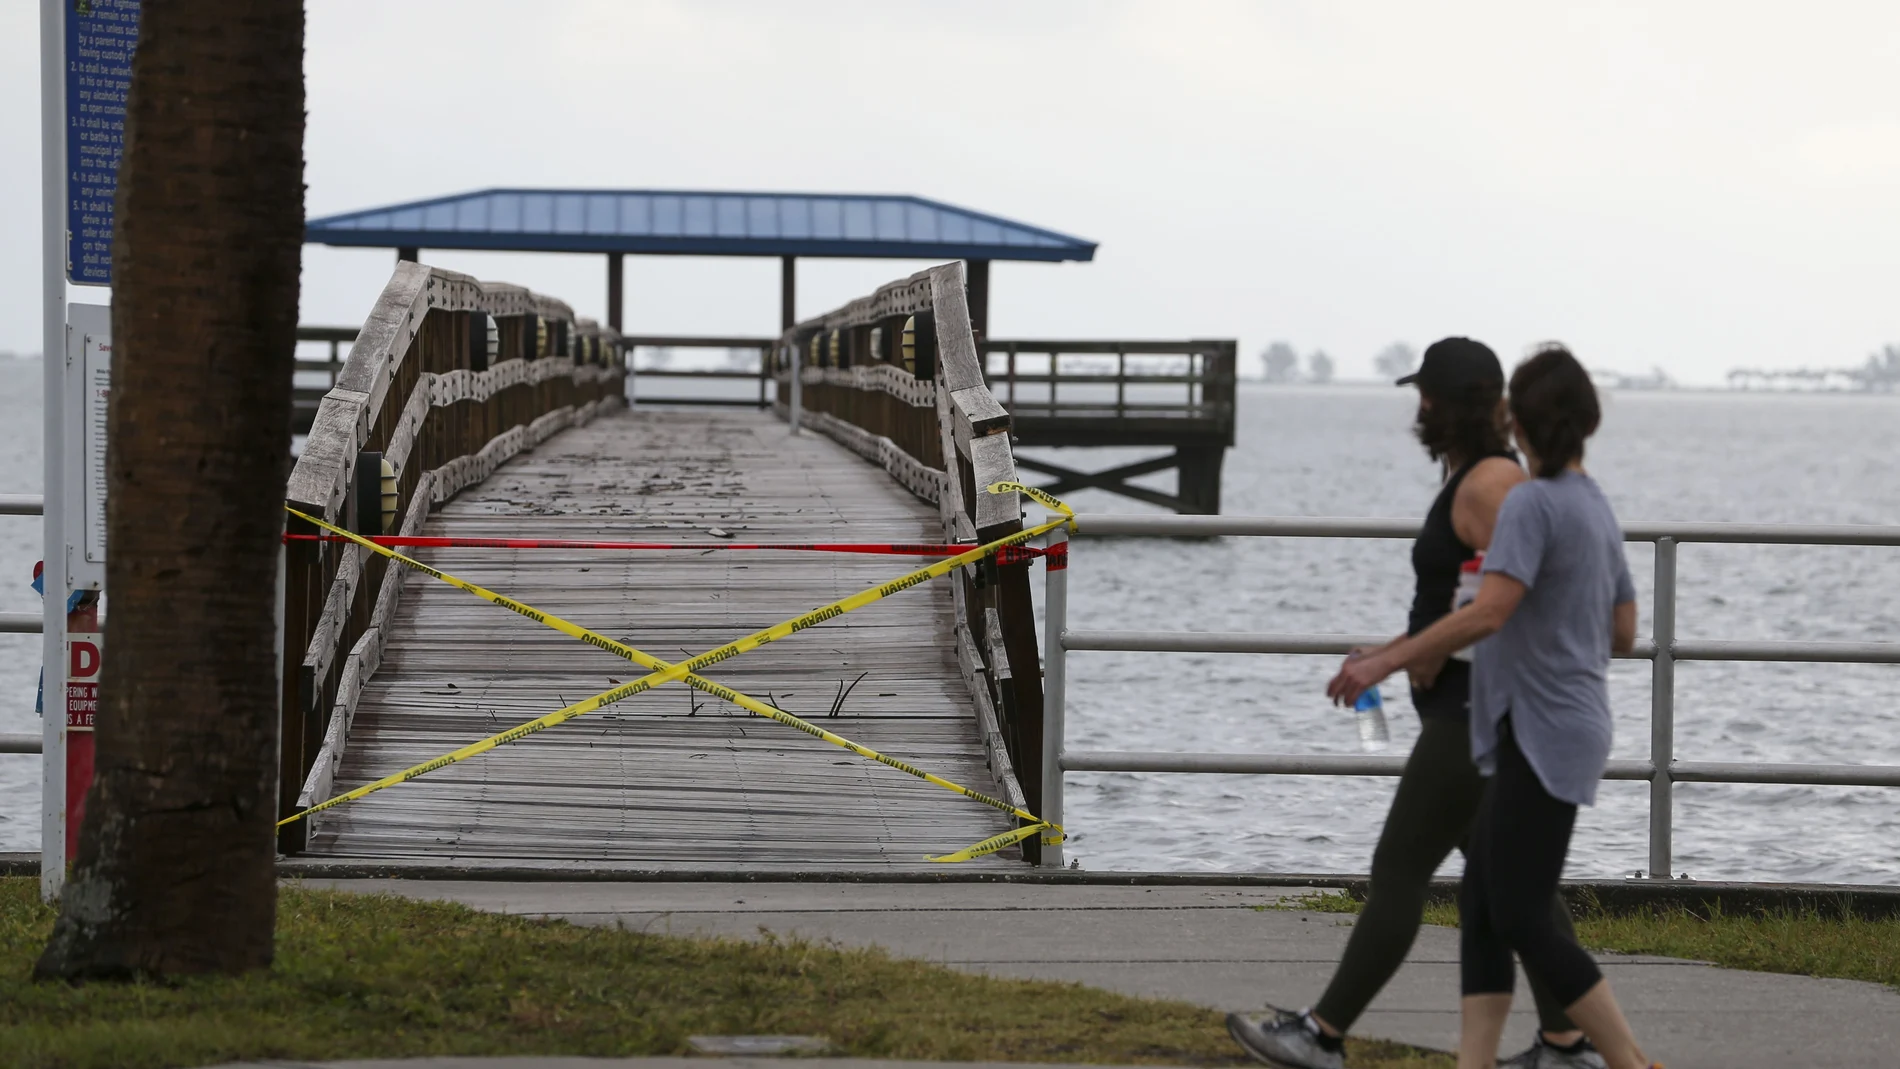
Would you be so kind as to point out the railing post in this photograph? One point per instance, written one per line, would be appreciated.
(1662, 713)
(798, 390)
(1055, 621)
(304, 592)
(1121, 382)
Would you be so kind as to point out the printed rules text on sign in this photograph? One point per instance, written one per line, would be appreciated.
(101, 36)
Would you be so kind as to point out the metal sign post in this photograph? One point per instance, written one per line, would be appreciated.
(86, 51)
(53, 346)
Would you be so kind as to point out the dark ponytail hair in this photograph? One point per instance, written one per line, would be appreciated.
(1555, 406)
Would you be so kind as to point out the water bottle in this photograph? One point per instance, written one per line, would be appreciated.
(1369, 710)
(1470, 578)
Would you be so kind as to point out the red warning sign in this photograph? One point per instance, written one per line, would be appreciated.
(83, 661)
(82, 679)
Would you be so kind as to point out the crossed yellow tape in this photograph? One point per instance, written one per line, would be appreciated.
(663, 672)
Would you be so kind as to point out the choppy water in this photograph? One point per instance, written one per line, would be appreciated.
(1347, 452)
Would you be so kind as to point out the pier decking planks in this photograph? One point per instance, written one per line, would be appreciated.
(672, 777)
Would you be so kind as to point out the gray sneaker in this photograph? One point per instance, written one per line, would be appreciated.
(1542, 1055)
(1283, 1039)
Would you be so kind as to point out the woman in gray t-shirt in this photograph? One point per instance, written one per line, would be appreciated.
(1555, 603)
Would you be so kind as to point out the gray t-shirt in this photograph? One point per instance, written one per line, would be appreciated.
(1548, 666)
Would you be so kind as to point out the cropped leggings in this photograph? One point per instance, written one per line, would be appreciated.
(1517, 853)
(1431, 814)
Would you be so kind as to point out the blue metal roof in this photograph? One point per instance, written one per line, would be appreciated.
(697, 223)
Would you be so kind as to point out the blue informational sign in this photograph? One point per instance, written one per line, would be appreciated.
(100, 38)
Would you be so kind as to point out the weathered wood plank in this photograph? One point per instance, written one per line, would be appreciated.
(978, 408)
(991, 463)
(324, 639)
(958, 365)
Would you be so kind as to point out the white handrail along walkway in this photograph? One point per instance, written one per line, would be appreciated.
(1662, 650)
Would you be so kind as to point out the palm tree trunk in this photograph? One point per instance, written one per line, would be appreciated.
(175, 867)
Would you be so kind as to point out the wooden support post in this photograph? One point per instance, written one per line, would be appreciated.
(787, 292)
(1198, 479)
(615, 285)
(303, 576)
(1017, 617)
(476, 358)
(978, 284)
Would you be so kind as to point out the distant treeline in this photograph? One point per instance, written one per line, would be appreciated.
(1280, 362)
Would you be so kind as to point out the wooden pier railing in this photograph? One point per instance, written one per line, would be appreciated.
(1171, 394)
(896, 378)
(306, 397)
(448, 378)
(642, 372)
(1177, 395)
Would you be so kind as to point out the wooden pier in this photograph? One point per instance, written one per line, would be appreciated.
(501, 415)
(671, 777)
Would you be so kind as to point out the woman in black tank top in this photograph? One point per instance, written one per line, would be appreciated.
(1462, 425)
(1438, 557)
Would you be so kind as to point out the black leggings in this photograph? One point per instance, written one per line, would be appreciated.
(1431, 814)
(1517, 853)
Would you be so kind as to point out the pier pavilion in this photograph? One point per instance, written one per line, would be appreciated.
(1176, 396)
(617, 223)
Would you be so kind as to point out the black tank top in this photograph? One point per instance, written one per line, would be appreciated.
(1437, 558)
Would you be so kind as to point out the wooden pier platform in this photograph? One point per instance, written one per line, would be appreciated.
(672, 778)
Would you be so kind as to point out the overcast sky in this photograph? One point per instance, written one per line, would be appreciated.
(1691, 185)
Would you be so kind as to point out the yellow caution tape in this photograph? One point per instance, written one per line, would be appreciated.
(1009, 838)
(662, 672)
(1039, 496)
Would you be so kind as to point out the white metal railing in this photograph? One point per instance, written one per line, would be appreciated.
(1663, 650)
(21, 623)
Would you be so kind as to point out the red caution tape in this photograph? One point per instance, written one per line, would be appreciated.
(1058, 555)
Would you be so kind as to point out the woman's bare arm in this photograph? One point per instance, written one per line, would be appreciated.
(1474, 511)
(1497, 599)
(1623, 627)
(1474, 515)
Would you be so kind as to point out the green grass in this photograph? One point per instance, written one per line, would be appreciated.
(1805, 944)
(360, 976)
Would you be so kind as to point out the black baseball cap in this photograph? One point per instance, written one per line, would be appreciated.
(1453, 364)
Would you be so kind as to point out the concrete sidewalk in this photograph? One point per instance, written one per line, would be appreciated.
(1223, 947)
(565, 1062)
